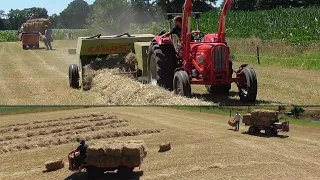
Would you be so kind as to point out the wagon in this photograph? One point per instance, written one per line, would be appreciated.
(97, 171)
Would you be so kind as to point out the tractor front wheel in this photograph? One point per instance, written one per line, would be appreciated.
(248, 91)
(161, 65)
(74, 76)
(181, 84)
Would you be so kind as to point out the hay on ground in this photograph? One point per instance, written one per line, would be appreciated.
(54, 165)
(164, 147)
(121, 90)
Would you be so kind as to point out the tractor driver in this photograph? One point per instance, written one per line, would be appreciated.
(177, 30)
(82, 149)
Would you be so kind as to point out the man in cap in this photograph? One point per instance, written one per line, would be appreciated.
(48, 35)
(237, 119)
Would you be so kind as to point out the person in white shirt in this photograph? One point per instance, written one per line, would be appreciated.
(237, 118)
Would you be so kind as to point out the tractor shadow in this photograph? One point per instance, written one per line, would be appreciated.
(263, 135)
(107, 175)
(231, 99)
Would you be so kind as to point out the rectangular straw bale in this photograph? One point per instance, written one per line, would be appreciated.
(132, 150)
(113, 149)
(247, 118)
(96, 150)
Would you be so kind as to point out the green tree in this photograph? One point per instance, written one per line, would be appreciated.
(75, 15)
(143, 11)
(176, 5)
(110, 17)
(54, 18)
(2, 15)
(297, 111)
(17, 17)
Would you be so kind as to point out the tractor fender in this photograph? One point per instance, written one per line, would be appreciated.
(161, 41)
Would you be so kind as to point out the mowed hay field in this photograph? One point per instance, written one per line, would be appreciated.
(41, 77)
(203, 145)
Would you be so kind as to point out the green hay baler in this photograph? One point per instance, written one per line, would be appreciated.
(91, 49)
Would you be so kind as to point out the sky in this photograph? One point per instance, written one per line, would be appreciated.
(53, 6)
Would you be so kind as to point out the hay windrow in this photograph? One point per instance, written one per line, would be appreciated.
(102, 77)
(120, 90)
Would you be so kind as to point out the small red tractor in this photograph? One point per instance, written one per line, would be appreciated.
(202, 61)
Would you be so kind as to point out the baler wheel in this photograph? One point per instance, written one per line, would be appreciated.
(74, 76)
(181, 84)
(248, 91)
(161, 65)
(252, 130)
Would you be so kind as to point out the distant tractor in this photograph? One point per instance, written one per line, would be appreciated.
(203, 61)
(32, 31)
(266, 120)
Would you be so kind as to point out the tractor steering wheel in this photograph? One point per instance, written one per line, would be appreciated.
(197, 35)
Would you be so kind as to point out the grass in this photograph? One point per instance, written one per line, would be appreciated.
(58, 34)
(15, 110)
(225, 111)
(275, 53)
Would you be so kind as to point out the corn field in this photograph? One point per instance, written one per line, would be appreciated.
(291, 25)
(58, 34)
(297, 26)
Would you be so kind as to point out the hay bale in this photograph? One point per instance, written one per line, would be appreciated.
(263, 117)
(247, 118)
(132, 149)
(54, 165)
(113, 149)
(116, 153)
(232, 122)
(164, 147)
(96, 150)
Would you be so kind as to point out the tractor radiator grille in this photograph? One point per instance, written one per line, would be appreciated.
(219, 58)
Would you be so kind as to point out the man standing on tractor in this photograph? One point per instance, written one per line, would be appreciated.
(48, 39)
(237, 119)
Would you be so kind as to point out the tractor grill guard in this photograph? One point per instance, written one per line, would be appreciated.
(219, 58)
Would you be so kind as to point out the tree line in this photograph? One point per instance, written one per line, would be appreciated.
(112, 15)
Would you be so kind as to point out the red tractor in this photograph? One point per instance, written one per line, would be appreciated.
(202, 61)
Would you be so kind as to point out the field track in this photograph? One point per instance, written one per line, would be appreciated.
(39, 77)
(203, 145)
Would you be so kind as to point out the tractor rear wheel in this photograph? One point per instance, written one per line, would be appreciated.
(74, 76)
(181, 84)
(252, 130)
(268, 132)
(161, 65)
(248, 91)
